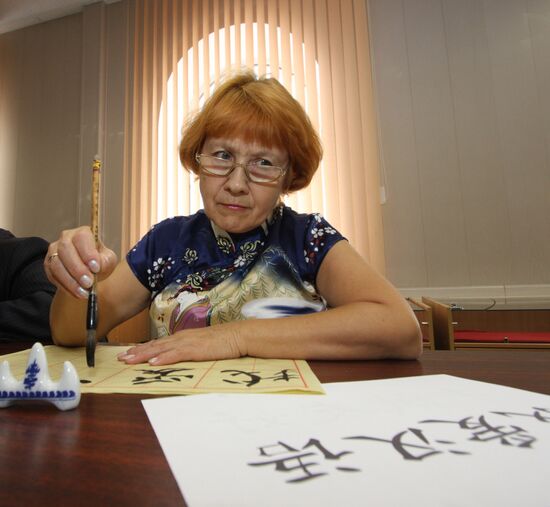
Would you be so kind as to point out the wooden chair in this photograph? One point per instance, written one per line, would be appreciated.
(442, 324)
(423, 313)
(518, 329)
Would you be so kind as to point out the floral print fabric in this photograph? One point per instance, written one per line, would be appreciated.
(200, 275)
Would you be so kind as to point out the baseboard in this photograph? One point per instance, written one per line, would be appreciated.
(490, 296)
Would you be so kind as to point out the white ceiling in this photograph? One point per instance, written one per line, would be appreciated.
(15, 14)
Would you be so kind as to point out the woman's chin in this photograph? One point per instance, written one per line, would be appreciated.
(234, 224)
(231, 226)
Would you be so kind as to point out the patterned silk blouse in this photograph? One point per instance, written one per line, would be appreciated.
(200, 275)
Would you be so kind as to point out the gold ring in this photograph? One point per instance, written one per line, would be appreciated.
(50, 258)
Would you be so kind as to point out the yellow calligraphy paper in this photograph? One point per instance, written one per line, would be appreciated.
(243, 375)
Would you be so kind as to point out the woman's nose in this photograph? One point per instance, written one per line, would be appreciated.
(237, 181)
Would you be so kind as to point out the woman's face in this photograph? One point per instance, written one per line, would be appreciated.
(233, 202)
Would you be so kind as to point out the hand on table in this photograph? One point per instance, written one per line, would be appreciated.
(200, 344)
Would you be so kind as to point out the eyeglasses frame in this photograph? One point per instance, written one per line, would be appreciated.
(235, 165)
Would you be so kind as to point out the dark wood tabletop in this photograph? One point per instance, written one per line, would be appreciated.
(105, 452)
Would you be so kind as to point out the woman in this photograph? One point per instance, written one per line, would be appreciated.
(246, 275)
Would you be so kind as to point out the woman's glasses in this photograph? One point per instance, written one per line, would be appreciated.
(255, 171)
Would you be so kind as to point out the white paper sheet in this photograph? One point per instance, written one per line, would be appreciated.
(281, 450)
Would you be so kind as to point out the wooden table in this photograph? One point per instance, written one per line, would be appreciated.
(106, 453)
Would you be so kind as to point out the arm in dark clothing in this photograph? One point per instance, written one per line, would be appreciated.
(25, 292)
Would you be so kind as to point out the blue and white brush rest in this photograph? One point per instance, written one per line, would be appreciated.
(37, 384)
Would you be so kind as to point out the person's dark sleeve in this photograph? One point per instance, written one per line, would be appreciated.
(26, 293)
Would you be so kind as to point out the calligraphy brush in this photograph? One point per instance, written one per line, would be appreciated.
(91, 314)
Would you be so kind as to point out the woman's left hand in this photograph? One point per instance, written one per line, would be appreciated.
(201, 344)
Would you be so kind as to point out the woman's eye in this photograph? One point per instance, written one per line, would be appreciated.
(222, 154)
(263, 161)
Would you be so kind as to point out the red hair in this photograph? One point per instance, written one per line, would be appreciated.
(257, 110)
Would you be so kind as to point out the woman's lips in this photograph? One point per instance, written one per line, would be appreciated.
(233, 207)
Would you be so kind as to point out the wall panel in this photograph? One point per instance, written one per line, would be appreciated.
(522, 139)
(435, 134)
(462, 91)
(483, 189)
(403, 223)
(48, 123)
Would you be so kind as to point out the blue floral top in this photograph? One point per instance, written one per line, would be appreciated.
(200, 275)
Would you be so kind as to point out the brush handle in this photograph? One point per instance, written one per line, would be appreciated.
(91, 316)
(96, 172)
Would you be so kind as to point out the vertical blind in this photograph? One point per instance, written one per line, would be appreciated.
(179, 50)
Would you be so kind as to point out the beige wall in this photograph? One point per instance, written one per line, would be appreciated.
(40, 125)
(464, 116)
(61, 103)
(8, 128)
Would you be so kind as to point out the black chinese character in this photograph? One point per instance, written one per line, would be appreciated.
(254, 377)
(483, 431)
(541, 414)
(289, 459)
(412, 444)
(164, 375)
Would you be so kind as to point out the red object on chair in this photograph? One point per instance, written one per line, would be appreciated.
(502, 336)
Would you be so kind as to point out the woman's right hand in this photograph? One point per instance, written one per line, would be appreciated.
(73, 260)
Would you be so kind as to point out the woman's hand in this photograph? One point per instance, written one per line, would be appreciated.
(202, 344)
(73, 260)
